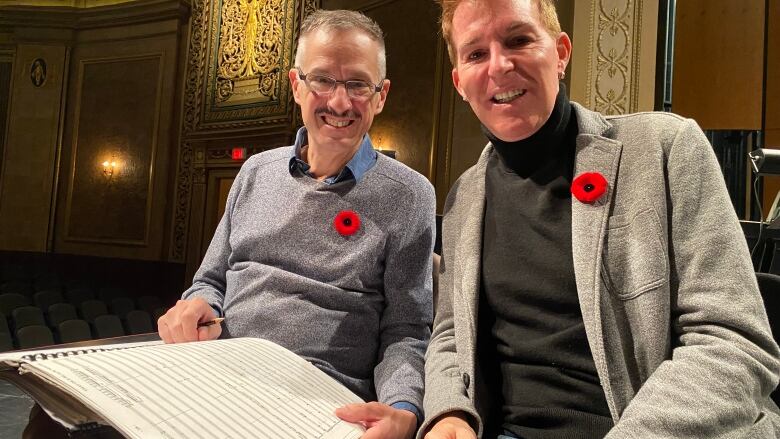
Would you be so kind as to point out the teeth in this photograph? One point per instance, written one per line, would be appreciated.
(503, 98)
(336, 123)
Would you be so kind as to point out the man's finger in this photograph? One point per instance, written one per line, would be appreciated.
(366, 412)
(211, 332)
(162, 329)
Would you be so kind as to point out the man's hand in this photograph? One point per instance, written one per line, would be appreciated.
(451, 426)
(180, 323)
(381, 420)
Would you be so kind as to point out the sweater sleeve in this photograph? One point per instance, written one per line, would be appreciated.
(724, 362)
(408, 312)
(209, 282)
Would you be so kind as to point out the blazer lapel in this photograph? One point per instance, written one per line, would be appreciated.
(595, 153)
(469, 253)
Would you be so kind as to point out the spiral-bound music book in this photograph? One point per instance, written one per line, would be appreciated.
(238, 388)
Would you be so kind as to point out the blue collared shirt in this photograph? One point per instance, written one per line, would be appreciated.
(363, 160)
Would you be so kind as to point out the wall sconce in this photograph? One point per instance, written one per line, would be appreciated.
(109, 167)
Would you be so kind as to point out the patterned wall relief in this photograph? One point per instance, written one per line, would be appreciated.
(615, 44)
(238, 58)
(249, 56)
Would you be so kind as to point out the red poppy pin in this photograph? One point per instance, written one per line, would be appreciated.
(589, 187)
(347, 223)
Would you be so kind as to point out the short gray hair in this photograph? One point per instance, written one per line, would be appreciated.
(343, 20)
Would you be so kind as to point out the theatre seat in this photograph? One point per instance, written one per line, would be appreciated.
(121, 306)
(27, 316)
(4, 324)
(76, 296)
(60, 312)
(45, 299)
(73, 330)
(138, 322)
(91, 309)
(107, 326)
(6, 343)
(17, 287)
(11, 301)
(34, 336)
(149, 303)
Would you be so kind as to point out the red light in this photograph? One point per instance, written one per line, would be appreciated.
(238, 153)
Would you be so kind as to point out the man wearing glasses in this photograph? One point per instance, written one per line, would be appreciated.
(325, 246)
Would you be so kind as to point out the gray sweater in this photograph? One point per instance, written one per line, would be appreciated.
(358, 307)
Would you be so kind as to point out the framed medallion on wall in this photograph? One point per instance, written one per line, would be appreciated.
(38, 72)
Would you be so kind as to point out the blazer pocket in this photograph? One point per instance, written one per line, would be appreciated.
(634, 259)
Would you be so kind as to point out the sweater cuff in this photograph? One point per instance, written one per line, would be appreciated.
(408, 406)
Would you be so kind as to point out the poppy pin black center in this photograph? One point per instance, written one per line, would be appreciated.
(589, 187)
(347, 222)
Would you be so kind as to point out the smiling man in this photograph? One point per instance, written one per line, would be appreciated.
(595, 280)
(325, 246)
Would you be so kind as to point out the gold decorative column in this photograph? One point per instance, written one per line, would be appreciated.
(613, 62)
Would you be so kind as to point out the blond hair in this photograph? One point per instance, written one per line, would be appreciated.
(547, 13)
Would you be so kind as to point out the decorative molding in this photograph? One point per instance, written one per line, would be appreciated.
(216, 63)
(59, 17)
(182, 208)
(614, 49)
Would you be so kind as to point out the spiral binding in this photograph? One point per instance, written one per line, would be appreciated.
(62, 354)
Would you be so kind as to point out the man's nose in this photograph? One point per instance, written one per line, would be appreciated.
(500, 63)
(339, 100)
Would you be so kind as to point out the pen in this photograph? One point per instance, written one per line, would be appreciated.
(211, 322)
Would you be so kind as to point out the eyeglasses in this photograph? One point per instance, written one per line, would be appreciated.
(325, 85)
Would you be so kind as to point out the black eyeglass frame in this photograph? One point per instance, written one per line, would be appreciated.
(376, 88)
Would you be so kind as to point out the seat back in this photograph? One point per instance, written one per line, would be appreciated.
(138, 322)
(45, 299)
(121, 306)
(77, 296)
(149, 303)
(60, 312)
(92, 308)
(6, 342)
(27, 316)
(108, 325)
(73, 330)
(11, 301)
(34, 336)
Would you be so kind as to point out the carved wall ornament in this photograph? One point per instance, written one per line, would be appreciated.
(613, 78)
(38, 72)
(236, 79)
(250, 51)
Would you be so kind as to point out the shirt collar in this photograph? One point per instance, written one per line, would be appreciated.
(363, 160)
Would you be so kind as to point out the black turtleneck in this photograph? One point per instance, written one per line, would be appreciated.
(533, 351)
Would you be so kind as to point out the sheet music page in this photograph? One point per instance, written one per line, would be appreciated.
(11, 359)
(237, 388)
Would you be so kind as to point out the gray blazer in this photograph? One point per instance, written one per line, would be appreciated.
(669, 298)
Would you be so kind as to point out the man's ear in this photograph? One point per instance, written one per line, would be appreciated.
(380, 103)
(563, 46)
(295, 84)
(456, 83)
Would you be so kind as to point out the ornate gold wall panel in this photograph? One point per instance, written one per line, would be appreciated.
(115, 123)
(613, 63)
(236, 88)
(240, 52)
